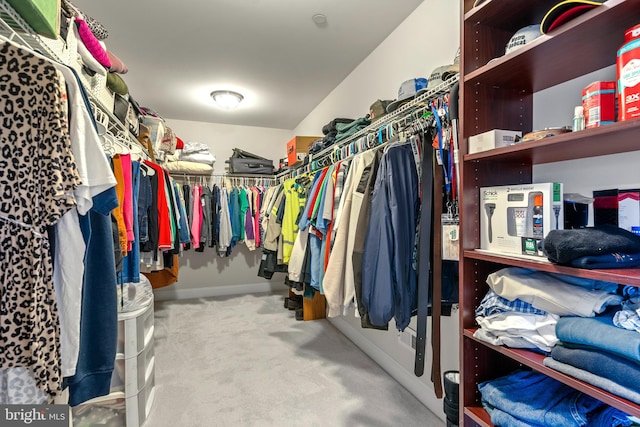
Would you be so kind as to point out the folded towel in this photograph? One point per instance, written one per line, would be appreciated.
(117, 66)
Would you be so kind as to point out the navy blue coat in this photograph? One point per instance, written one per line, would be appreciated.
(389, 285)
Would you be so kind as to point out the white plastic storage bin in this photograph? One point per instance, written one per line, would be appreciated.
(135, 331)
(131, 375)
(139, 406)
(116, 410)
(156, 131)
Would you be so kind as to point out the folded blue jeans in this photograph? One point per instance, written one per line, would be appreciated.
(601, 363)
(600, 332)
(529, 398)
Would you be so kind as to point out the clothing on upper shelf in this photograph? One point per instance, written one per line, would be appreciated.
(569, 246)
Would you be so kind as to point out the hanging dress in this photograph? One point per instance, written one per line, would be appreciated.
(37, 177)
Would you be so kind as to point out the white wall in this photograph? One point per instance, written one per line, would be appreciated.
(427, 39)
(204, 273)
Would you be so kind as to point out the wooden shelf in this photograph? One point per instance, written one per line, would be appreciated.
(534, 361)
(503, 14)
(628, 276)
(478, 415)
(620, 137)
(551, 58)
(497, 92)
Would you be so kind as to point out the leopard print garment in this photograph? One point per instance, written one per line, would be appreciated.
(37, 177)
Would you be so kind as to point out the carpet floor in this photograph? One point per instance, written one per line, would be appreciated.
(245, 361)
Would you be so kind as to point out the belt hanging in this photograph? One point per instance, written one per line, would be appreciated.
(424, 254)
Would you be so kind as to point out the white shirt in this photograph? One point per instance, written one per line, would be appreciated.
(550, 294)
(96, 176)
(519, 330)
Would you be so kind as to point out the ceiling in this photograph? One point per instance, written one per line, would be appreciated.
(271, 51)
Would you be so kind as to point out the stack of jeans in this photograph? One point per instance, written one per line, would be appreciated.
(529, 398)
(596, 351)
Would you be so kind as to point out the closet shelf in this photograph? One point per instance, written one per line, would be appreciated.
(403, 113)
(479, 415)
(629, 276)
(497, 92)
(545, 62)
(13, 27)
(619, 137)
(534, 360)
(498, 12)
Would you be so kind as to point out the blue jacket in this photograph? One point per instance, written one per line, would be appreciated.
(389, 286)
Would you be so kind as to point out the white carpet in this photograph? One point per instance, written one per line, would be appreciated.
(245, 361)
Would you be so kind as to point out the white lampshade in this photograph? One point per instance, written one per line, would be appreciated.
(227, 99)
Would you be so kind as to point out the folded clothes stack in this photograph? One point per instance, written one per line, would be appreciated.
(193, 158)
(330, 133)
(523, 306)
(529, 398)
(605, 246)
(345, 130)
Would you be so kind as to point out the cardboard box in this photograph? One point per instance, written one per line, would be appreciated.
(514, 219)
(297, 147)
(493, 139)
(598, 103)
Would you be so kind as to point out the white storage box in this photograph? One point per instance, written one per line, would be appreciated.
(156, 131)
(514, 219)
(493, 139)
(135, 331)
(131, 375)
(116, 410)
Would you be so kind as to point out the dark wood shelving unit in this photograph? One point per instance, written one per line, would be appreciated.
(534, 361)
(615, 138)
(630, 276)
(497, 93)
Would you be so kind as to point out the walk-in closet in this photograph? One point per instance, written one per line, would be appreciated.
(248, 213)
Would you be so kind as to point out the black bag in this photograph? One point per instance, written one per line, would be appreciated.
(242, 162)
(128, 112)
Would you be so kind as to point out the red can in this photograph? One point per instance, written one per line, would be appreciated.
(628, 75)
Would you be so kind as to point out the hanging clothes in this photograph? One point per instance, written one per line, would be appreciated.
(96, 177)
(226, 232)
(45, 170)
(338, 269)
(196, 225)
(131, 262)
(183, 229)
(361, 213)
(118, 213)
(389, 279)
